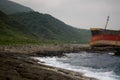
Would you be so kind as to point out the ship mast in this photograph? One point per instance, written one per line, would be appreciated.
(107, 22)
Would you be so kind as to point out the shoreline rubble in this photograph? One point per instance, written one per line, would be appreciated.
(21, 67)
(52, 49)
(16, 63)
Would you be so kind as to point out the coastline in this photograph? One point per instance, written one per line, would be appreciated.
(21, 67)
(52, 49)
(17, 64)
(29, 49)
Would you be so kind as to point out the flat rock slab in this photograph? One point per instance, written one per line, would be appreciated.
(20, 67)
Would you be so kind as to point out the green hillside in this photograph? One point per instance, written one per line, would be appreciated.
(12, 32)
(34, 27)
(47, 27)
(21, 25)
(10, 7)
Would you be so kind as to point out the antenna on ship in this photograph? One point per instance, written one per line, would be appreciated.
(107, 22)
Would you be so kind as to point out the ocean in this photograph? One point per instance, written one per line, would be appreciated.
(100, 66)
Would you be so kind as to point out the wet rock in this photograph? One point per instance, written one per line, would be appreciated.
(20, 67)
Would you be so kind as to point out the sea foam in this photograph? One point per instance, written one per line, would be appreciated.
(87, 71)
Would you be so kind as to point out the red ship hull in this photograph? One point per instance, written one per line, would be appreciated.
(103, 37)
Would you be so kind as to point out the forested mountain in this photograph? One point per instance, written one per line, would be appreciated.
(10, 7)
(48, 27)
(12, 31)
(20, 24)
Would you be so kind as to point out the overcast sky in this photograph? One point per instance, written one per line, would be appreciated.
(79, 13)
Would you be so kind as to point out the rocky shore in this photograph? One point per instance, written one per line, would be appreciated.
(51, 50)
(14, 66)
(29, 49)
